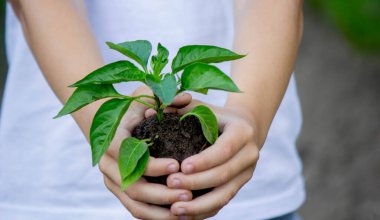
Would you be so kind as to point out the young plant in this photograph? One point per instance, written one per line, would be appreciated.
(197, 75)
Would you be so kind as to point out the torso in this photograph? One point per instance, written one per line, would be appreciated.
(46, 171)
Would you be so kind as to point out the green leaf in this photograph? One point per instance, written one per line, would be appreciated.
(165, 89)
(120, 71)
(131, 150)
(208, 122)
(85, 95)
(104, 126)
(138, 50)
(200, 77)
(137, 172)
(159, 62)
(202, 91)
(201, 54)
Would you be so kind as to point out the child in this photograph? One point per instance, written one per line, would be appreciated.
(45, 168)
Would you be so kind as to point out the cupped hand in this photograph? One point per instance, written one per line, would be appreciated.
(225, 166)
(142, 198)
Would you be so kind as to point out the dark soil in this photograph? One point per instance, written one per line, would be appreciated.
(172, 139)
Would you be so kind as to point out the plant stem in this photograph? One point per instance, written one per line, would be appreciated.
(159, 110)
(145, 103)
(160, 114)
(145, 96)
(146, 69)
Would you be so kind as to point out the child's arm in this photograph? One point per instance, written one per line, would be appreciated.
(61, 41)
(269, 31)
(60, 38)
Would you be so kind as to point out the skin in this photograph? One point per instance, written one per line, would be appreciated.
(268, 31)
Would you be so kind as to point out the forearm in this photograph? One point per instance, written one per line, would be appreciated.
(62, 43)
(269, 32)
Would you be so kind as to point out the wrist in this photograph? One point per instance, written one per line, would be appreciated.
(250, 116)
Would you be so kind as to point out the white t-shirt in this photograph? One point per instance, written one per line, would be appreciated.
(45, 164)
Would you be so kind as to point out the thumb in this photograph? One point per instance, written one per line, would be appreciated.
(181, 100)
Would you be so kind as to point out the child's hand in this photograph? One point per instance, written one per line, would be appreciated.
(225, 166)
(139, 197)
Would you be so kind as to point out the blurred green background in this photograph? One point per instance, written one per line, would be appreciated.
(338, 77)
(358, 20)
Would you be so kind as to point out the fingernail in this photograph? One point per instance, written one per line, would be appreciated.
(184, 197)
(172, 168)
(189, 168)
(181, 211)
(176, 183)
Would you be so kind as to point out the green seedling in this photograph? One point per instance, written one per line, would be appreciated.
(197, 75)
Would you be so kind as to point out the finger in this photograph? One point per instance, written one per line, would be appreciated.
(156, 167)
(161, 166)
(120, 135)
(206, 215)
(199, 217)
(170, 110)
(216, 176)
(109, 167)
(134, 115)
(142, 90)
(214, 200)
(157, 193)
(131, 119)
(139, 210)
(233, 138)
(181, 100)
(136, 110)
(141, 190)
(150, 112)
(189, 107)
